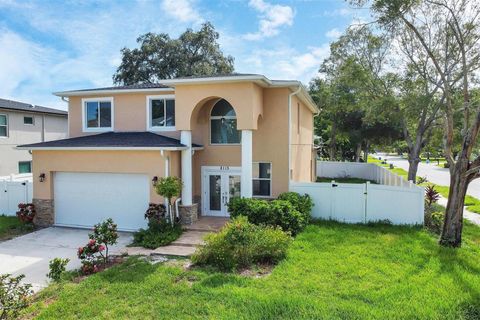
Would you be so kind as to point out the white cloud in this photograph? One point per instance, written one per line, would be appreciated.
(333, 33)
(272, 18)
(182, 10)
(286, 62)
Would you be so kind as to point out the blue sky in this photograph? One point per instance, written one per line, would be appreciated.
(48, 46)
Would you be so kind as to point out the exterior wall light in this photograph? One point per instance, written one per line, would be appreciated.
(154, 180)
(41, 177)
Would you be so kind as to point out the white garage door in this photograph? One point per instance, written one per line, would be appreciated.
(84, 199)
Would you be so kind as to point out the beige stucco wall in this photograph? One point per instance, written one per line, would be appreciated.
(270, 141)
(130, 113)
(151, 163)
(19, 133)
(301, 142)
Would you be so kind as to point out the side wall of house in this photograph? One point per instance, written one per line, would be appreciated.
(20, 133)
(302, 157)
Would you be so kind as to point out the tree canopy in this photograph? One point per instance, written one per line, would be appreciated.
(161, 57)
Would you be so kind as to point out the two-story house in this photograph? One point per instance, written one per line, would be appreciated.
(236, 135)
(22, 123)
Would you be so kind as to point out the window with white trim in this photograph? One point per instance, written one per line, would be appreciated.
(223, 124)
(262, 179)
(161, 112)
(28, 120)
(98, 114)
(3, 125)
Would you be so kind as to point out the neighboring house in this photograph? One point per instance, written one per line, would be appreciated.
(22, 123)
(224, 136)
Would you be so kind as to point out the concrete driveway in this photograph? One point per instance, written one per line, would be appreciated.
(30, 254)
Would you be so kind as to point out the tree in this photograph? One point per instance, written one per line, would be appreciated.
(355, 95)
(169, 188)
(160, 57)
(448, 32)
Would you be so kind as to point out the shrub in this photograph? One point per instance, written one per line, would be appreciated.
(105, 233)
(304, 203)
(156, 212)
(431, 195)
(13, 296)
(421, 180)
(57, 267)
(159, 233)
(26, 212)
(434, 221)
(91, 257)
(281, 213)
(239, 244)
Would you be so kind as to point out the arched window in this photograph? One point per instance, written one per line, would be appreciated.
(223, 124)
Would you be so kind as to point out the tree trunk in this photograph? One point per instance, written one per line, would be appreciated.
(366, 151)
(358, 152)
(413, 161)
(333, 143)
(453, 225)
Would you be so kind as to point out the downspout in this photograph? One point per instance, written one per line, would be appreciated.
(290, 133)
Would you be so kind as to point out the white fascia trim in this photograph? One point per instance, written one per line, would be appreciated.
(107, 91)
(107, 148)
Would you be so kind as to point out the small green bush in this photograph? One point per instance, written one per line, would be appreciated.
(241, 244)
(304, 203)
(13, 295)
(57, 268)
(291, 211)
(159, 233)
(434, 221)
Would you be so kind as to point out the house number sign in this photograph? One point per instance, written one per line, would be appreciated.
(224, 168)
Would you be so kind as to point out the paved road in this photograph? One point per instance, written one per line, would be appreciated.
(435, 174)
(30, 254)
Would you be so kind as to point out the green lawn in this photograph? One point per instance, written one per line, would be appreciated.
(11, 227)
(333, 271)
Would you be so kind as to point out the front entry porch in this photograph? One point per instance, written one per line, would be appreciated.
(219, 184)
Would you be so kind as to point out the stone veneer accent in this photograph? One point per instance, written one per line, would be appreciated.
(188, 214)
(45, 212)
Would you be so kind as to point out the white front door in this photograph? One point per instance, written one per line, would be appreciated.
(219, 184)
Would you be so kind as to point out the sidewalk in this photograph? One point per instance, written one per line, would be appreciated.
(470, 216)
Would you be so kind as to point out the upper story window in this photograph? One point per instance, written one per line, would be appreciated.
(3, 125)
(223, 124)
(28, 120)
(97, 114)
(161, 113)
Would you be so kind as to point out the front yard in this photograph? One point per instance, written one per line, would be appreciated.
(333, 270)
(11, 227)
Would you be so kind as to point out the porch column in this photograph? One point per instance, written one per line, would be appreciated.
(186, 139)
(246, 178)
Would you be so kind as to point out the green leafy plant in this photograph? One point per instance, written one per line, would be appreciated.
(105, 233)
(421, 180)
(13, 296)
(57, 268)
(91, 257)
(169, 188)
(155, 212)
(159, 233)
(239, 244)
(26, 212)
(278, 213)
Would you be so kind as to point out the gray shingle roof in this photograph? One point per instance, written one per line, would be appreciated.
(20, 106)
(113, 140)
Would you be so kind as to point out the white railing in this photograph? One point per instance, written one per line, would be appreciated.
(367, 171)
(12, 193)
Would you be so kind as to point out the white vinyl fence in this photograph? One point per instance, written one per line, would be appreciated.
(14, 190)
(393, 198)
